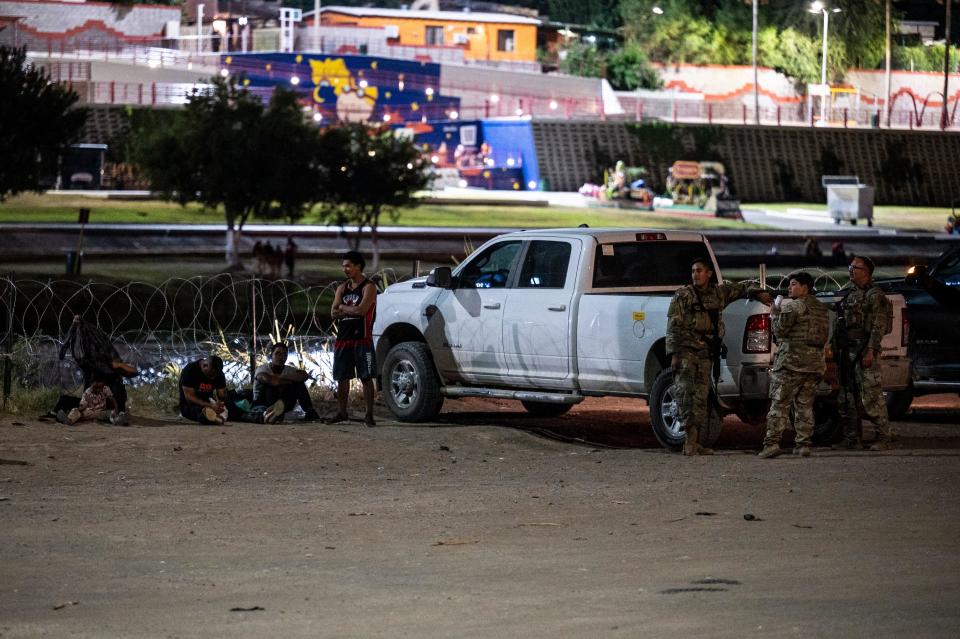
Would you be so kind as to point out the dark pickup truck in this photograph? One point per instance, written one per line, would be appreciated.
(932, 294)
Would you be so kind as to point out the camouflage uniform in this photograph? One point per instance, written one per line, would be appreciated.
(688, 328)
(801, 328)
(865, 313)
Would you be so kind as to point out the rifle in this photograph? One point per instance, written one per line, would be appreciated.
(846, 378)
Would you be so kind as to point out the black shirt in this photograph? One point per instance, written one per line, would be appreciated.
(204, 387)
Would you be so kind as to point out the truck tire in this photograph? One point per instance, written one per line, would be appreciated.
(546, 409)
(411, 387)
(827, 425)
(898, 402)
(665, 419)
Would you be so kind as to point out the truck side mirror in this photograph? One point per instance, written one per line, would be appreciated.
(916, 274)
(440, 277)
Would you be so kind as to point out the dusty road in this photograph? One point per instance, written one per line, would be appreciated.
(478, 526)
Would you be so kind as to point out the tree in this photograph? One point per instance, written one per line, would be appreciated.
(628, 69)
(583, 59)
(38, 120)
(719, 32)
(592, 13)
(224, 149)
(368, 171)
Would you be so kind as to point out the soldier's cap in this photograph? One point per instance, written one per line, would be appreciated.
(803, 278)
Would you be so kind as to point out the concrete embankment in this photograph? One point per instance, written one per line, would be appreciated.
(36, 242)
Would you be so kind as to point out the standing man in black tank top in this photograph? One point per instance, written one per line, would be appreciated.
(354, 307)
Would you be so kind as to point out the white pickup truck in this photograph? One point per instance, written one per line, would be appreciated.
(551, 317)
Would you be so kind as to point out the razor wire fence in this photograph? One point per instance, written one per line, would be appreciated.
(159, 328)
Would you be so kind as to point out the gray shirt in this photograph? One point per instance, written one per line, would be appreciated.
(258, 386)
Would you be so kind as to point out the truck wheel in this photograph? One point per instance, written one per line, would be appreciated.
(411, 387)
(546, 409)
(898, 402)
(665, 418)
(827, 425)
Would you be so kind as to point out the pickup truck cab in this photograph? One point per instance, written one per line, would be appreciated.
(932, 295)
(550, 317)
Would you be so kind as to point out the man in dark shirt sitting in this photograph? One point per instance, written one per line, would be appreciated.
(203, 391)
(203, 396)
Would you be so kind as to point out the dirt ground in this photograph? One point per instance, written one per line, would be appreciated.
(487, 523)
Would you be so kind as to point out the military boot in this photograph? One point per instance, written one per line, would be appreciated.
(690, 443)
(770, 452)
(692, 447)
(848, 444)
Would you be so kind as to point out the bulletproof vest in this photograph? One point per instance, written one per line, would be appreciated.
(855, 310)
(707, 313)
(816, 323)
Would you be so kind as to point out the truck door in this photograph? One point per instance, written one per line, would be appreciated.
(468, 319)
(536, 320)
(933, 315)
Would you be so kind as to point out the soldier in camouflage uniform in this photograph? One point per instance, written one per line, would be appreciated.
(801, 325)
(694, 319)
(865, 312)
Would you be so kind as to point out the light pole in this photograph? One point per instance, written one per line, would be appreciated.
(756, 87)
(819, 7)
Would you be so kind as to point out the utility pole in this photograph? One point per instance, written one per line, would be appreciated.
(944, 117)
(887, 88)
(316, 25)
(199, 29)
(756, 86)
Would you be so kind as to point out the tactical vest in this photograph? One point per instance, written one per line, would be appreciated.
(854, 311)
(817, 324)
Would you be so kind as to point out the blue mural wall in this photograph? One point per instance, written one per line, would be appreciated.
(490, 154)
(349, 87)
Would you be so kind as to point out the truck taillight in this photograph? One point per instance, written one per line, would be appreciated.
(904, 327)
(756, 335)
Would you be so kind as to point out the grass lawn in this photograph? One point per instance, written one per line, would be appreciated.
(63, 208)
(908, 218)
(34, 207)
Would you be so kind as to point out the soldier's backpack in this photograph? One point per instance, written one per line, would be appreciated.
(886, 308)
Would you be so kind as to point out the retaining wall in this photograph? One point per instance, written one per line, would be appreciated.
(765, 164)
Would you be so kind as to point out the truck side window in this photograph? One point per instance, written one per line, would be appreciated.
(949, 271)
(545, 265)
(645, 263)
(491, 268)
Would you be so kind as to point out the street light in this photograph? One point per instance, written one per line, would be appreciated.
(819, 7)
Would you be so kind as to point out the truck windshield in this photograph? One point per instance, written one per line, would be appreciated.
(652, 263)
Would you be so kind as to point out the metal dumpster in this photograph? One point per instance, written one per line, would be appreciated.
(847, 199)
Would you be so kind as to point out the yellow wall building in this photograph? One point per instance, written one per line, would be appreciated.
(496, 37)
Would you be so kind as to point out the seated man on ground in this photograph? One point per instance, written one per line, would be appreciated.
(93, 405)
(275, 381)
(203, 396)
